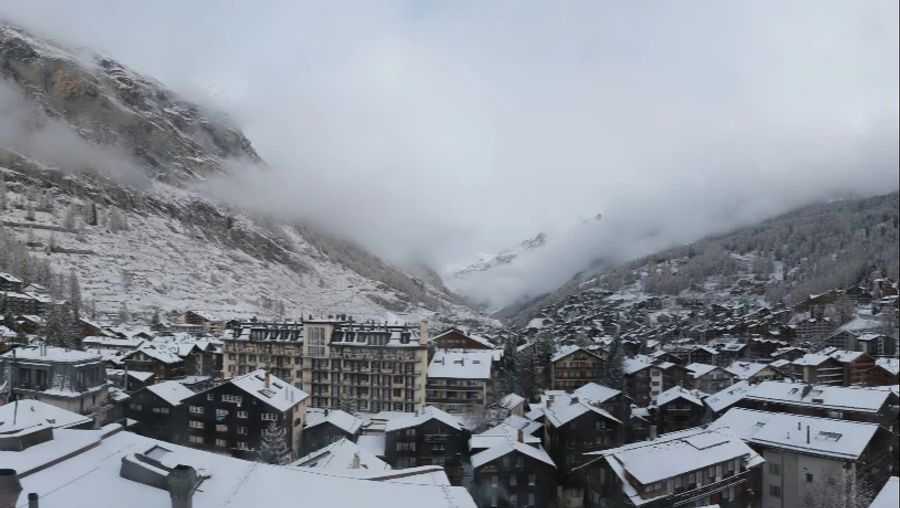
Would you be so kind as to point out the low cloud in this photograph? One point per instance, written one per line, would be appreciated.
(427, 132)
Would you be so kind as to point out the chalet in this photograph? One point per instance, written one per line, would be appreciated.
(326, 426)
(159, 359)
(666, 375)
(65, 378)
(513, 428)
(754, 372)
(709, 378)
(455, 338)
(458, 379)
(811, 461)
(573, 426)
(429, 437)
(11, 283)
(201, 322)
(513, 404)
(637, 380)
(787, 353)
(231, 417)
(514, 474)
(693, 467)
(677, 409)
(573, 366)
(877, 344)
(857, 366)
(704, 354)
(613, 401)
(885, 373)
(158, 412)
(817, 368)
(843, 339)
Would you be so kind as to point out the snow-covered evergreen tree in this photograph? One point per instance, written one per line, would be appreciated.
(273, 448)
(614, 367)
(74, 294)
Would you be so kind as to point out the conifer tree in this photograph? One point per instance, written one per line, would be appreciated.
(614, 368)
(273, 447)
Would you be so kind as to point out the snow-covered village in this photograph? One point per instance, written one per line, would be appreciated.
(445, 254)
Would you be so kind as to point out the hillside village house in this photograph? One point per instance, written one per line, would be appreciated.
(811, 461)
(158, 412)
(676, 409)
(327, 426)
(818, 368)
(230, 418)
(574, 426)
(427, 437)
(514, 474)
(709, 378)
(458, 339)
(68, 379)
(572, 367)
(692, 467)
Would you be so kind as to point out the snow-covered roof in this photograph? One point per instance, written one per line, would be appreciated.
(172, 392)
(477, 338)
(699, 370)
(98, 340)
(342, 454)
(29, 414)
(9, 277)
(677, 392)
(279, 394)
(891, 365)
(745, 370)
(673, 454)
(340, 419)
(503, 432)
(727, 397)
(845, 356)
(373, 443)
(511, 400)
(42, 353)
(854, 398)
(461, 364)
(840, 439)
(595, 393)
(85, 465)
(161, 352)
(889, 495)
(561, 413)
(506, 446)
(428, 413)
(811, 360)
(636, 363)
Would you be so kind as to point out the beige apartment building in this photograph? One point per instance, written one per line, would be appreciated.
(340, 363)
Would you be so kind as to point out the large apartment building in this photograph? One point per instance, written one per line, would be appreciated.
(340, 363)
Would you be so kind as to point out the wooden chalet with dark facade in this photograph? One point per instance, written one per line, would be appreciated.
(514, 474)
(573, 426)
(230, 418)
(573, 367)
(455, 338)
(677, 409)
(158, 411)
(429, 437)
(326, 426)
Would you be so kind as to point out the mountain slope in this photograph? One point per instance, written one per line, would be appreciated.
(97, 172)
(810, 250)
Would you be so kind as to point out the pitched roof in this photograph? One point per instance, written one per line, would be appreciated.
(28, 414)
(596, 393)
(461, 364)
(342, 454)
(853, 398)
(172, 392)
(677, 392)
(279, 394)
(889, 495)
(340, 419)
(511, 400)
(840, 439)
(746, 370)
(429, 413)
(562, 413)
(507, 446)
(727, 397)
(51, 354)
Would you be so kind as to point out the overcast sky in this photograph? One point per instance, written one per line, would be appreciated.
(437, 130)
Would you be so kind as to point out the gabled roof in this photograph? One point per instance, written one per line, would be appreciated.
(279, 394)
(172, 392)
(562, 413)
(461, 364)
(854, 398)
(839, 439)
(570, 349)
(677, 392)
(745, 370)
(511, 400)
(891, 365)
(508, 446)
(41, 353)
(29, 414)
(342, 454)
(812, 360)
(477, 338)
(889, 495)
(429, 413)
(699, 370)
(727, 397)
(340, 419)
(596, 393)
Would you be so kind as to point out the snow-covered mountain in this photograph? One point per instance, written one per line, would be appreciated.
(97, 167)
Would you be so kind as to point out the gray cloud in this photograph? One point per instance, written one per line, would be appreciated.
(432, 131)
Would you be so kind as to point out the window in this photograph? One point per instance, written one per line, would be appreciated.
(161, 410)
(512, 480)
(221, 428)
(316, 337)
(221, 413)
(242, 445)
(236, 399)
(269, 417)
(774, 491)
(194, 424)
(196, 439)
(531, 499)
(221, 443)
(809, 477)
(532, 480)
(242, 431)
(242, 414)
(197, 410)
(774, 468)
(135, 407)
(209, 397)
(494, 480)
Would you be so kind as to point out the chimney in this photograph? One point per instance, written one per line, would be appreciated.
(550, 401)
(355, 464)
(807, 434)
(573, 401)
(33, 500)
(799, 426)
(10, 488)
(652, 432)
(267, 380)
(520, 436)
(181, 483)
(423, 333)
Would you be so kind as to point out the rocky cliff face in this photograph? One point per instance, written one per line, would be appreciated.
(160, 246)
(108, 104)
